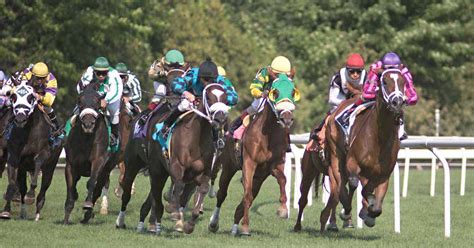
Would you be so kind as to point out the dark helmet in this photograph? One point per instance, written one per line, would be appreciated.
(208, 69)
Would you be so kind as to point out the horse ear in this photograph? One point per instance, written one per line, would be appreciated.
(186, 66)
(271, 73)
(292, 72)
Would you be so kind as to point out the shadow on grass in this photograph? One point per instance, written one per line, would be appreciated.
(348, 234)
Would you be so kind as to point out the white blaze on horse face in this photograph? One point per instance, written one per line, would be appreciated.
(394, 76)
(218, 93)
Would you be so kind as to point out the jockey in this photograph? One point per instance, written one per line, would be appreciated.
(280, 64)
(132, 93)
(158, 71)
(45, 86)
(109, 85)
(192, 85)
(344, 84)
(390, 60)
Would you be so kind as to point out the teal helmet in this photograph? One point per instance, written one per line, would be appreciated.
(101, 64)
(121, 68)
(174, 57)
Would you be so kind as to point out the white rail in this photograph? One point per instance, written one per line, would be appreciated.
(420, 142)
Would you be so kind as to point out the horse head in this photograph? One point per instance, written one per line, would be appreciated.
(283, 95)
(24, 103)
(392, 86)
(175, 71)
(89, 106)
(215, 102)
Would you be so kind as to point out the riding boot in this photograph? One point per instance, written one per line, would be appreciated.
(144, 117)
(169, 121)
(237, 123)
(115, 136)
(54, 121)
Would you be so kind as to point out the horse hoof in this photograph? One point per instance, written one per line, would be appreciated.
(152, 228)
(282, 213)
(29, 200)
(369, 221)
(211, 193)
(87, 205)
(348, 224)
(37, 217)
(245, 234)
(213, 227)
(5, 215)
(141, 227)
(332, 227)
(120, 227)
(169, 210)
(118, 192)
(235, 230)
(188, 228)
(297, 227)
(87, 216)
(104, 211)
(344, 216)
(179, 226)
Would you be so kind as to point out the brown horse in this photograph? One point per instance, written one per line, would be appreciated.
(230, 164)
(264, 144)
(191, 153)
(6, 114)
(370, 153)
(136, 155)
(87, 153)
(29, 150)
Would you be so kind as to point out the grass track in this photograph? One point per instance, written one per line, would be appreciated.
(422, 221)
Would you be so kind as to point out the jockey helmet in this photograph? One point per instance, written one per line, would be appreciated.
(101, 64)
(40, 69)
(174, 57)
(121, 68)
(391, 59)
(355, 61)
(221, 71)
(281, 64)
(208, 69)
(2, 76)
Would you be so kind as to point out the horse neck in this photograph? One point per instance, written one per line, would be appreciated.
(267, 123)
(387, 129)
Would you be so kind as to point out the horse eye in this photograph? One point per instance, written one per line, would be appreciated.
(276, 93)
(14, 98)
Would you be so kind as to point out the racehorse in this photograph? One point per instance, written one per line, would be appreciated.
(6, 114)
(136, 155)
(29, 150)
(264, 143)
(230, 163)
(191, 154)
(370, 153)
(87, 152)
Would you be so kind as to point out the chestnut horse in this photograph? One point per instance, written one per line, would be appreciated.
(264, 144)
(230, 163)
(191, 153)
(370, 153)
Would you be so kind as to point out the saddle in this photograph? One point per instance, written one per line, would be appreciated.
(346, 118)
(165, 142)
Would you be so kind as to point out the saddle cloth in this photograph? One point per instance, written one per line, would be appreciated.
(346, 118)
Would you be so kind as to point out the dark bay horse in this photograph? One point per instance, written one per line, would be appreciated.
(6, 114)
(87, 153)
(230, 164)
(264, 144)
(191, 153)
(137, 152)
(371, 152)
(29, 150)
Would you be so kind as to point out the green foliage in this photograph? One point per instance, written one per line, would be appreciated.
(434, 39)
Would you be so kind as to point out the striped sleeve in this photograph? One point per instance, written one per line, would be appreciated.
(115, 87)
(135, 89)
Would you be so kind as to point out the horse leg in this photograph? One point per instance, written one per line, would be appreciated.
(346, 215)
(257, 180)
(278, 173)
(39, 161)
(104, 204)
(102, 178)
(131, 170)
(334, 178)
(45, 183)
(96, 166)
(144, 210)
(215, 171)
(11, 190)
(118, 189)
(202, 189)
(375, 210)
(368, 200)
(309, 172)
(21, 183)
(158, 177)
(72, 195)
(228, 172)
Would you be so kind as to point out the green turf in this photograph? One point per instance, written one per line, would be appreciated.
(422, 221)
